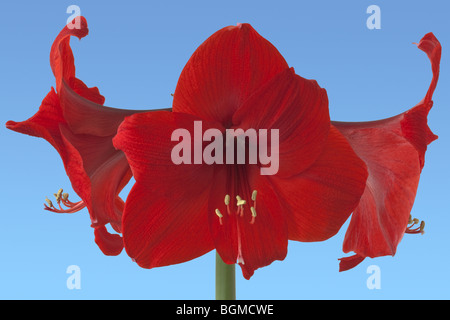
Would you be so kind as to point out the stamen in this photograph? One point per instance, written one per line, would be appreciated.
(412, 223)
(227, 199)
(219, 215)
(254, 193)
(58, 195)
(63, 198)
(253, 215)
(49, 202)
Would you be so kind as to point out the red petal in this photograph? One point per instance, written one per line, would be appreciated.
(236, 238)
(224, 71)
(61, 57)
(350, 262)
(110, 244)
(81, 130)
(393, 150)
(298, 108)
(82, 106)
(319, 200)
(165, 217)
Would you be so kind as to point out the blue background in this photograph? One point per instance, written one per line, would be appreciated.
(134, 53)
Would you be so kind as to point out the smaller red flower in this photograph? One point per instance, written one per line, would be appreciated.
(75, 122)
(394, 152)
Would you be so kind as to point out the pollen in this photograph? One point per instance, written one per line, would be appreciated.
(49, 202)
(240, 201)
(58, 195)
(227, 199)
(254, 193)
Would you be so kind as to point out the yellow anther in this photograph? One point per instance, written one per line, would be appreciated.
(65, 196)
(58, 195)
(218, 213)
(49, 202)
(415, 220)
(410, 220)
(240, 201)
(254, 193)
(227, 199)
(422, 226)
(253, 211)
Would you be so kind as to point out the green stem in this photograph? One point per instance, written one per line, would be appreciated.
(225, 280)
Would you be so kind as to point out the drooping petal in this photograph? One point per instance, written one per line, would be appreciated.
(110, 244)
(320, 199)
(298, 109)
(81, 129)
(165, 218)
(393, 150)
(224, 71)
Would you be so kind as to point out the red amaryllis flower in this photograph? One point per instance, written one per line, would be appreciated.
(236, 80)
(75, 122)
(394, 151)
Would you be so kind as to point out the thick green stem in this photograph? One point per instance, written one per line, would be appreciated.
(225, 280)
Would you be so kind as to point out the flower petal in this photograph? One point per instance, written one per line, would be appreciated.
(224, 71)
(393, 150)
(110, 244)
(74, 121)
(253, 242)
(82, 106)
(171, 225)
(320, 199)
(298, 109)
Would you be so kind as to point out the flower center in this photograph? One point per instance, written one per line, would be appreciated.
(239, 209)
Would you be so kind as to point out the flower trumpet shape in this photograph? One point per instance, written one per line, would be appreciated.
(237, 80)
(74, 121)
(394, 152)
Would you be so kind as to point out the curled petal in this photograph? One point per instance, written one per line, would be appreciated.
(393, 150)
(110, 244)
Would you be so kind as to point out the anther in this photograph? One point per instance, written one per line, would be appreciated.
(219, 215)
(58, 195)
(422, 226)
(227, 199)
(49, 202)
(252, 209)
(240, 201)
(254, 193)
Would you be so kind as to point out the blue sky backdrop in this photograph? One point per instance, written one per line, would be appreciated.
(134, 53)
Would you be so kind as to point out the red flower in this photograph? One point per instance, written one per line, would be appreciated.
(237, 79)
(75, 122)
(393, 150)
